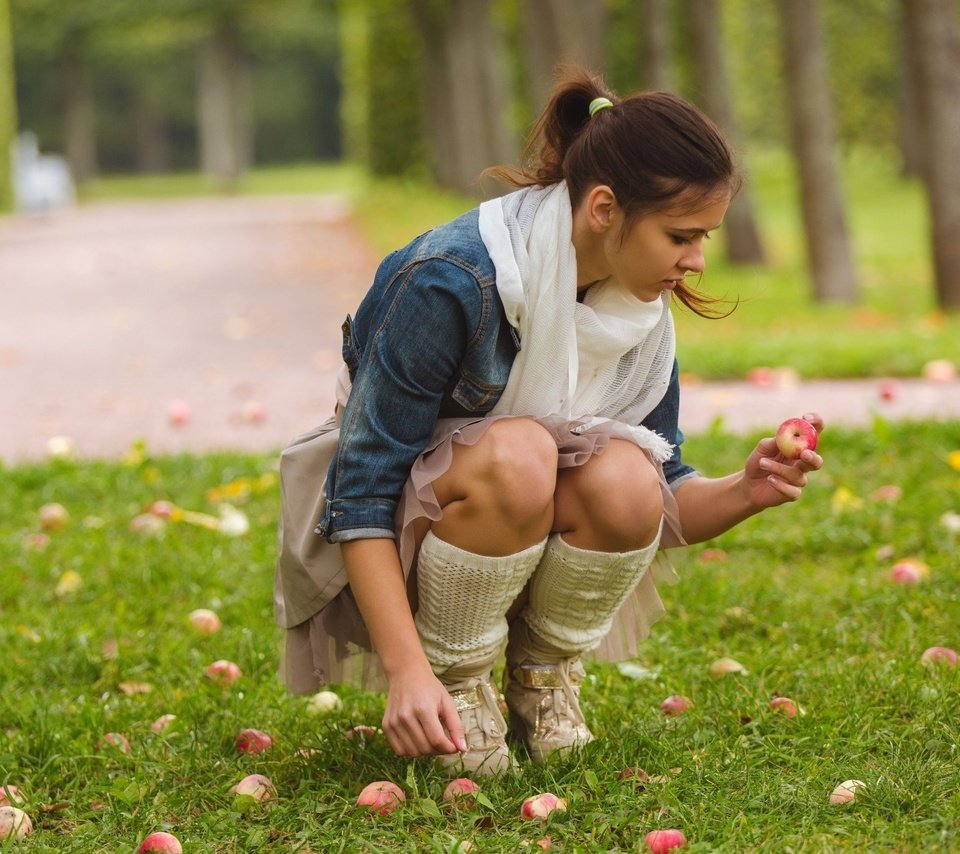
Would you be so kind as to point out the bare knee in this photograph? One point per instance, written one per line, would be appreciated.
(611, 503)
(519, 468)
(498, 493)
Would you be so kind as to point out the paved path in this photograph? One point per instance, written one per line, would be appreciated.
(110, 312)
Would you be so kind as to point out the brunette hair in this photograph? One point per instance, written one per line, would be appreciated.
(655, 151)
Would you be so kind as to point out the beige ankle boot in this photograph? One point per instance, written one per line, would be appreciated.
(543, 698)
(484, 729)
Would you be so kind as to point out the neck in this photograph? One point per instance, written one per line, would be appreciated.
(588, 246)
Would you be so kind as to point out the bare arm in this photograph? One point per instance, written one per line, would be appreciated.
(710, 506)
(418, 707)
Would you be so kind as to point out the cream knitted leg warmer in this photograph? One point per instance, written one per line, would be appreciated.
(575, 593)
(464, 598)
(461, 620)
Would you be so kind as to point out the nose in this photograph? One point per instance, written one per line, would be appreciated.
(693, 261)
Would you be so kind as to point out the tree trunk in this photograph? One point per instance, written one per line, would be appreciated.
(467, 98)
(814, 139)
(79, 112)
(224, 106)
(8, 108)
(706, 35)
(911, 132)
(558, 32)
(656, 68)
(153, 141)
(934, 34)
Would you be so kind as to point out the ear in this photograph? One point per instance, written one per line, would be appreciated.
(601, 208)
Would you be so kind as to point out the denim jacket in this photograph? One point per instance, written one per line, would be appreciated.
(429, 341)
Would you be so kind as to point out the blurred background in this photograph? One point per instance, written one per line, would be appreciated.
(843, 249)
(440, 89)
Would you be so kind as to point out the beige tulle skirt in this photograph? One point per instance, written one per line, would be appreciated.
(333, 646)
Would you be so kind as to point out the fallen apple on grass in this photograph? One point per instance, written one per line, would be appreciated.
(36, 541)
(888, 494)
(147, 524)
(162, 723)
(162, 509)
(846, 791)
(726, 666)
(794, 436)
(461, 792)
(255, 786)
(381, 797)
(909, 571)
(114, 741)
(11, 796)
(676, 704)
(660, 841)
(364, 732)
(785, 706)
(939, 655)
(323, 702)
(53, 516)
(223, 672)
(160, 843)
(253, 741)
(205, 621)
(14, 823)
(539, 807)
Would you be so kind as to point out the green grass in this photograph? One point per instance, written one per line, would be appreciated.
(893, 331)
(802, 599)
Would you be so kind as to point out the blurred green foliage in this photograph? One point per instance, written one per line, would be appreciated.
(142, 56)
(8, 106)
(333, 78)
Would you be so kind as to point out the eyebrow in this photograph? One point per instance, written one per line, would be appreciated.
(694, 231)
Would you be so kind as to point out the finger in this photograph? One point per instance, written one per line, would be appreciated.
(434, 735)
(451, 720)
(812, 460)
(790, 473)
(815, 419)
(768, 447)
(395, 735)
(787, 490)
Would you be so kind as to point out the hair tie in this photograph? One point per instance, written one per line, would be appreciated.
(598, 104)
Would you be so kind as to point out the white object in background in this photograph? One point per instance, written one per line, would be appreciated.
(41, 182)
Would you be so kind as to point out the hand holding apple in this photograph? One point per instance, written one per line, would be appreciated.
(776, 471)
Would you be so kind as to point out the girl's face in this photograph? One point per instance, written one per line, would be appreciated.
(659, 249)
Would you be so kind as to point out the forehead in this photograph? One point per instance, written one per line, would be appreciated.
(706, 216)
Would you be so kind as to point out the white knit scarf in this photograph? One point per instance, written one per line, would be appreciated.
(606, 358)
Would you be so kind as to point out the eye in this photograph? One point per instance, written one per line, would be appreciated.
(685, 240)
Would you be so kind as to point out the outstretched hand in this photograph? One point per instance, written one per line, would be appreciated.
(772, 479)
(421, 717)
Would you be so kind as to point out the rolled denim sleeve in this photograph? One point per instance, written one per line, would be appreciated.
(665, 420)
(417, 336)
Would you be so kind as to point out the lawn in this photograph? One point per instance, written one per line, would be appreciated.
(94, 620)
